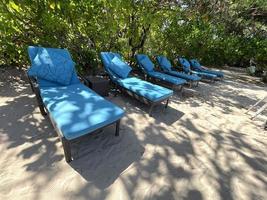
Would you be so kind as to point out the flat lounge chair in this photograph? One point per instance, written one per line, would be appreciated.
(187, 69)
(166, 67)
(142, 90)
(147, 67)
(198, 67)
(74, 109)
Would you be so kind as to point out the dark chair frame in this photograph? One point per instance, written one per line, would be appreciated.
(44, 111)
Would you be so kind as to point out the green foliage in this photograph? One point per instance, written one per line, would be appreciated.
(216, 32)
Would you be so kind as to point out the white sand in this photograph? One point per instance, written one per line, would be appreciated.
(202, 147)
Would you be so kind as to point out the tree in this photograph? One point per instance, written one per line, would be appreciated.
(216, 32)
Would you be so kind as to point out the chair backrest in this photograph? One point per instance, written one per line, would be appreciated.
(106, 58)
(34, 50)
(195, 64)
(144, 63)
(164, 63)
(185, 64)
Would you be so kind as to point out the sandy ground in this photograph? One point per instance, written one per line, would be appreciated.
(203, 146)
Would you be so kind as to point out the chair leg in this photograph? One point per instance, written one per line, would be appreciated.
(181, 89)
(166, 105)
(67, 149)
(42, 110)
(117, 128)
(150, 109)
(190, 84)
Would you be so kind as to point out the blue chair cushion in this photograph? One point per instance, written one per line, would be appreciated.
(165, 63)
(77, 110)
(167, 78)
(195, 64)
(120, 67)
(147, 64)
(46, 83)
(217, 73)
(33, 50)
(145, 89)
(52, 66)
(204, 74)
(185, 76)
(185, 64)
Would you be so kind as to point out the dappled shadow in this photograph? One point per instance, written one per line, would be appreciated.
(20, 126)
(243, 77)
(222, 95)
(26, 136)
(101, 159)
(195, 149)
(131, 105)
(231, 157)
(167, 116)
(34, 142)
(193, 195)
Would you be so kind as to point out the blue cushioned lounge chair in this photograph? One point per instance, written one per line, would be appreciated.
(74, 109)
(166, 67)
(147, 67)
(119, 73)
(198, 67)
(187, 69)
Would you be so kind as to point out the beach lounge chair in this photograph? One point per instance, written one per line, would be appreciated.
(119, 73)
(147, 67)
(74, 109)
(187, 69)
(198, 67)
(167, 68)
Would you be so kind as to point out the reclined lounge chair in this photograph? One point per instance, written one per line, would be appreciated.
(198, 67)
(147, 67)
(166, 67)
(187, 69)
(144, 91)
(74, 109)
